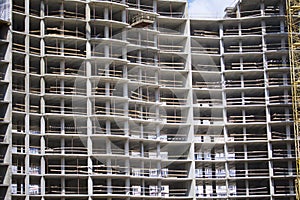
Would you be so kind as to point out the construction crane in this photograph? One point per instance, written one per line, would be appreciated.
(293, 22)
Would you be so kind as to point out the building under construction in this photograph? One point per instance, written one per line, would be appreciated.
(131, 99)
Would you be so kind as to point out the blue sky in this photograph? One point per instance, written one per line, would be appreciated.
(208, 8)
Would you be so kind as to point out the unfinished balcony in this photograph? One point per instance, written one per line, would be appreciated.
(142, 113)
(205, 46)
(174, 116)
(168, 62)
(281, 169)
(208, 116)
(142, 38)
(248, 82)
(18, 6)
(247, 134)
(144, 6)
(143, 131)
(247, 64)
(111, 71)
(250, 10)
(35, 27)
(102, 168)
(248, 99)
(251, 172)
(255, 152)
(274, 27)
(207, 82)
(173, 190)
(283, 187)
(279, 98)
(172, 27)
(64, 67)
(276, 47)
(3, 134)
(145, 57)
(282, 151)
(18, 23)
(18, 187)
(67, 10)
(245, 47)
(279, 133)
(34, 87)
(117, 189)
(248, 119)
(74, 146)
(246, 115)
(171, 9)
(108, 109)
(34, 65)
(279, 80)
(18, 84)
(20, 107)
(72, 166)
(142, 94)
(3, 38)
(173, 80)
(67, 87)
(18, 64)
(71, 187)
(175, 152)
(108, 127)
(281, 114)
(107, 51)
(4, 116)
(144, 172)
(207, 99)
(140, 152)
(34, 9)
(231, 28)
(72, 49)
(277, 64)
(34, 46)
(67, 127)
(115, 148)
(100, 33)
(251, 27)
(114, 2)
(205, 171)
(205, 63)
(204, 135)
(18, 146)
(273, 10)
(206, 190)
(65, 29)
(3, 89)
(59, 108)
(143, 76)
(204, 29)
(18, 44)
(110, 14)
(171, 45)
(173, 98)
(107, 89)
(174, 134)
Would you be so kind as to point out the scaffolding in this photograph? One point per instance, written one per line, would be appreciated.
(293, 8)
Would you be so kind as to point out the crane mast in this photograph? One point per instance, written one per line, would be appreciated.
(293, 23)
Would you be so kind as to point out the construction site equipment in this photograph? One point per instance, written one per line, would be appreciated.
(293, 9)
(142, 20)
